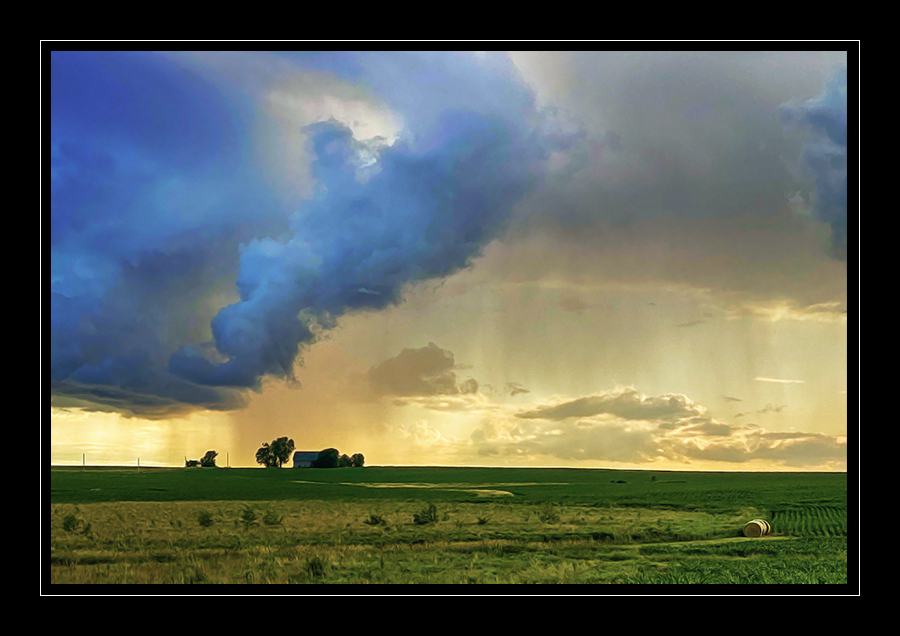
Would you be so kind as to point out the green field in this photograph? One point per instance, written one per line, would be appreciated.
(444, 526)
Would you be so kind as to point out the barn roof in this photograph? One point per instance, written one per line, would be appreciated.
(306, 455)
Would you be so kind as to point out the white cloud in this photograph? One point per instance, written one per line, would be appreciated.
(622, 425)
(624, 402)
(420, 433)
(780, 380)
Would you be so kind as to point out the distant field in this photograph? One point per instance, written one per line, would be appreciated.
(641, 488)
(443, 525)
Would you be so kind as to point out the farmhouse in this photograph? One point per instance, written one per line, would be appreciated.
(305, 459)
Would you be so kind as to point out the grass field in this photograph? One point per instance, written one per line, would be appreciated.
(444, 526)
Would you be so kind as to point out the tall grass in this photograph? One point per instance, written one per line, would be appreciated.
(312, 542)
(549, 526)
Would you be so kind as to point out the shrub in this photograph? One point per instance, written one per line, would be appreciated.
(548, 513)
(248, 517)
(272, 518)
(328, 458)
(70, 523)
(205, 518)
(375, 520)
(429, 515)
(315, 567)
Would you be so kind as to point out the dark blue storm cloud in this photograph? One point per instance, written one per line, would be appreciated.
(179, 278)
(151, 189)
(825, 155)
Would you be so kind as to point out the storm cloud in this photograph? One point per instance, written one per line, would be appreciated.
(824, 154)
(382, 226)
(154, 190)
(149, 197)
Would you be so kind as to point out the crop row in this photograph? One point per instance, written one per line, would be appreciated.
(756, 571)
(810, 520)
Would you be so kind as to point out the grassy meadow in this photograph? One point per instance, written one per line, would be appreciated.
(401, 525)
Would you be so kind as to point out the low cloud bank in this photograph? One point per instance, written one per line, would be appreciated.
(620, 425)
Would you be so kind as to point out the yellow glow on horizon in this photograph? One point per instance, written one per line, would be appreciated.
(112, 439)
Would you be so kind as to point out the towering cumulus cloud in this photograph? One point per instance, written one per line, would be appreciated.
(146, 330)
(825, 154)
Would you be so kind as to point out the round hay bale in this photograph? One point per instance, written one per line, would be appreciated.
(757, 528)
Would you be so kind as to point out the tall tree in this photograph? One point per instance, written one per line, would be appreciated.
(275, 454)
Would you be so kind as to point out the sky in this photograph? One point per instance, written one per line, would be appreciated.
(598, 259)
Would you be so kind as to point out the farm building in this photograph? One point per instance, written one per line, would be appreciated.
(305, 459)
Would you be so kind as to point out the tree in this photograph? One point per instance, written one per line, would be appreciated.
(209, 460)
(265, 456)
(344, 461)
(283, 448)
(328, 458)
(276, 454)
(357, 460)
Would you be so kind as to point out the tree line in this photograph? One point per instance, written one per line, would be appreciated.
(280, 450)
(277, 453)
(207, 461)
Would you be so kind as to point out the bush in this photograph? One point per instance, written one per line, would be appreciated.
(272, 518)
(429, 515)
(248, 517)
(548, 513)
(70, 523)
(316, 566)
(205, 518)
(375, 520)
(328, 458)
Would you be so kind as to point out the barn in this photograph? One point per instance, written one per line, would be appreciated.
(305, 459)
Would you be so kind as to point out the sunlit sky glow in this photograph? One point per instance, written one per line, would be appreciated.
(587, 259)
